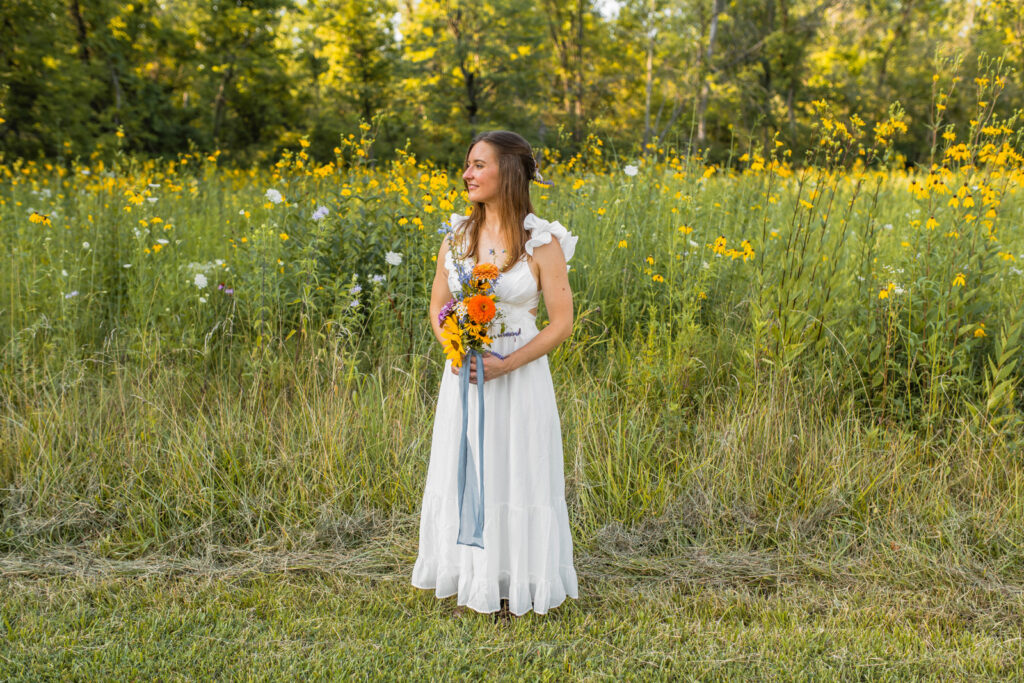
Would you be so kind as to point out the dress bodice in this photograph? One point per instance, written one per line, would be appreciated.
(516, 289)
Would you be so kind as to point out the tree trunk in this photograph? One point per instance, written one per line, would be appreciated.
(705, 89)
(82, 35)
(221, 99)
(578, 113)
(649, 76)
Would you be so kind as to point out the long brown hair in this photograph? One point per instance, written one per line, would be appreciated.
(516, 168)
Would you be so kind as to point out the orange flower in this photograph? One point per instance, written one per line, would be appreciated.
(485, 271)
(481, 308)
(484, 275)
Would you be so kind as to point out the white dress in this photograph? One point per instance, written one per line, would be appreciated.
(527, 554)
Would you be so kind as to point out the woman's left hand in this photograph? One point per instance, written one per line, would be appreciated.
(494, 367)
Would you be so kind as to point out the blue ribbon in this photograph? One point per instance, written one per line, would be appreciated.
(471, 492)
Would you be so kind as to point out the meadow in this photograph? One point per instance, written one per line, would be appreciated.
(791, 394)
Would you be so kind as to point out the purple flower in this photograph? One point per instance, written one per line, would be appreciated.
(446, 311)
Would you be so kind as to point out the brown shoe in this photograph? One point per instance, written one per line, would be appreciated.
(503, 615)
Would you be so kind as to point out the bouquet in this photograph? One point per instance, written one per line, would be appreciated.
(466, 318)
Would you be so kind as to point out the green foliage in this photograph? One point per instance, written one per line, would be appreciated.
(252, 78)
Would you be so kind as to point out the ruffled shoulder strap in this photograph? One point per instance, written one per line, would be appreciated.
(454, 222)
(541, 232)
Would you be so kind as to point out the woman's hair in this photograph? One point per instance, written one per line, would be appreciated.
(516, 168)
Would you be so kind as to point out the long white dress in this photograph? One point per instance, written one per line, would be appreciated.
(527, 554)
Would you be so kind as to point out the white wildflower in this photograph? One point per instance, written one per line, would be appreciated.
(71, 294)
(274, 196)
(202, 299)
(64, 272)
(152, 200)
(85, 245)
(393, 258)
(321, 213)
(162, 241)
(126, 265)
(631, 170)
(354, 303)
(200, 280)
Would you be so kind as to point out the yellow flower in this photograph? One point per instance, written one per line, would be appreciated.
(980, 332)
(623, 244)
(931, 223)
(960, 280)
(37, 217)
(452, 342)
(283, 236)
(883, 294)
(657, 278)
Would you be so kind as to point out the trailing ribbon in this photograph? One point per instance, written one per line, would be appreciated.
(471, 489)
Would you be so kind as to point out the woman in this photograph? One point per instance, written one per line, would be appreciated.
(526, 559)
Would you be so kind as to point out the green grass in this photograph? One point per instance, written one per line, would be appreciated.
(703, 616)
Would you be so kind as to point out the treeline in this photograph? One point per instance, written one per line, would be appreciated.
(253, 77)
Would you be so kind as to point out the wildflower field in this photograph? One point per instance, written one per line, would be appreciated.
(785, 374)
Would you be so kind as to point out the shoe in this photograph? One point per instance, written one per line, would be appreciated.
(503, 615)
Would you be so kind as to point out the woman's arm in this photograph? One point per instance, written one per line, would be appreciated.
(554, 284)
(439, 293)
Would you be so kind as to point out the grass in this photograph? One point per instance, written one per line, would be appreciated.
(342, 615)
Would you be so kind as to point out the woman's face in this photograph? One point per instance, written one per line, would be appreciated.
(481, 175)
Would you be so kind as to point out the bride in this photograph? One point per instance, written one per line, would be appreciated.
(526, 560)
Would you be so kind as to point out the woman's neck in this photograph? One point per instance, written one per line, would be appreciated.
(492, 220)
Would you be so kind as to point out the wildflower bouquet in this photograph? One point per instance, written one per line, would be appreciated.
(465, 319)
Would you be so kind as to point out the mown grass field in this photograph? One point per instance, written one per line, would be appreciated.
(790, 411)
